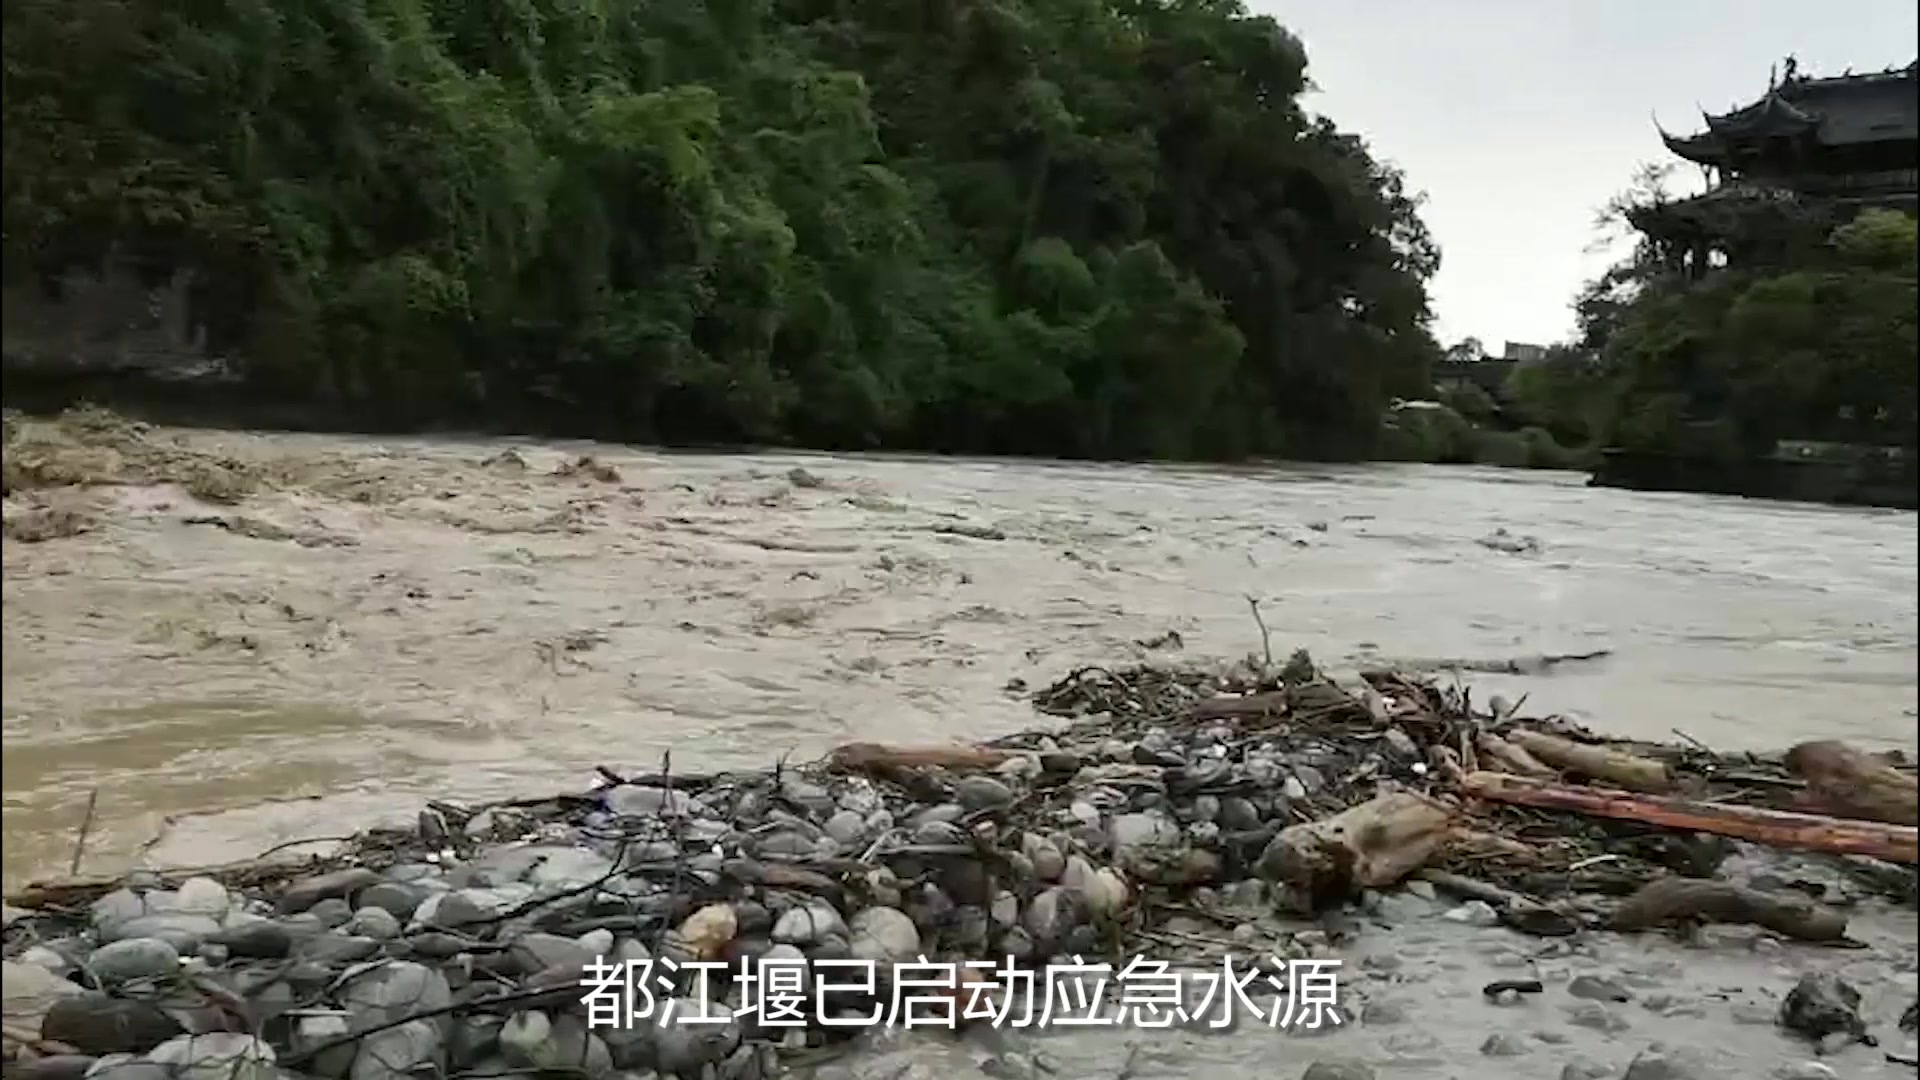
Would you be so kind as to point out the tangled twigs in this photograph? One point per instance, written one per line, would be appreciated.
(1266, 639)
(80, 841)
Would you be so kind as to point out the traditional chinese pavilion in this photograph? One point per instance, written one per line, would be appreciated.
(1825, 146)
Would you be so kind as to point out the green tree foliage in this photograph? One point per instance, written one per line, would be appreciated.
(1100, 227)
(1567, 393)
(1823, 348)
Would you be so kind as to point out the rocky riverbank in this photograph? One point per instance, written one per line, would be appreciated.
(1261, 824)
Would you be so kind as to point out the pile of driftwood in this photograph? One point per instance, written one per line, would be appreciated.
(1537, 817)
(1173, 802)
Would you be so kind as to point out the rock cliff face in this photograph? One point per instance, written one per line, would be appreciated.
(112, 320)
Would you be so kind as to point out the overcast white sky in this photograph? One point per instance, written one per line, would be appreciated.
(1519, 118)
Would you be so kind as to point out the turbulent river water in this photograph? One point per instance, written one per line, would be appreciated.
(448, 628)
(422, 622)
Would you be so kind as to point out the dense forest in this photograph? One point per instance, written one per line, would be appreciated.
(1808, 333)
(1081, 227)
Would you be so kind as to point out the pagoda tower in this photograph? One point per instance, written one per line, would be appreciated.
(1813, 150)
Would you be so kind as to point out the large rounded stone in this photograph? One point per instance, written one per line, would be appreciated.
(133, 958)
(97, 1023)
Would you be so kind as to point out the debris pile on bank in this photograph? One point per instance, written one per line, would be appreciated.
(1177, 813)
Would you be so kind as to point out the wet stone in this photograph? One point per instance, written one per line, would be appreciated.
(127, 1067)
(373, 922)
(411, 1049)
(1500, 1044)
(847, 827)
(1139, 830)
(1659, 1063)
(1596, 1017)
(117, 906)
(54, 1067)
(939, 833)
(337, 949)
(785, 843)
(331, 913)
(1474, 913)
(971, 928)
(310, 1033)
(538, 951)
(1048, 862)
(1383, 1011)
(524, 1038)
(394, 991)
(97, 1023)
(183, 932)
(1670, 1005)
(395, 898)
(1197, 775)
(203, 896)
(216, 1055)
(1005, 910)
(1330, 1069)
(637, 800)
(831, 947)
(807, 923)
(884, 934)
(1310, 779)
(1804, 1070)
(1822, 1004)
(453, 910)
(813, 798)
(301, 926)
(982, 793)
(49, 959)
(558, 868)
(133, 958)
(1596, 988)
(681, 1047)
(31, 990)
(1052, 915)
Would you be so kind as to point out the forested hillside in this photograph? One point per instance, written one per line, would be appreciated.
(1809, 336)
(1089, 227)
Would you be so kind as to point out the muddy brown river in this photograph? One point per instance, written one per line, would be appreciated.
(473, 631)
(221, 679)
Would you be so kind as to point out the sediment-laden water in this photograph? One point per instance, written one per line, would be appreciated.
(439, 626)
(415, 624)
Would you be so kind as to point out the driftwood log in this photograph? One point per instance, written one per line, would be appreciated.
(1674, 901)
(1630, 771)
(1778, 828)
(1368, 846)
(1511, 757)
(1846, 782)
(244, 874)
(878, 759)
(1479, 844)
(1516, 910)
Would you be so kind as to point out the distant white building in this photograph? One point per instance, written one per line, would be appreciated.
(1520, 352)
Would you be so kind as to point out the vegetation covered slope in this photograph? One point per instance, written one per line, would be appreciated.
(1090, 227)
(1808, 336)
